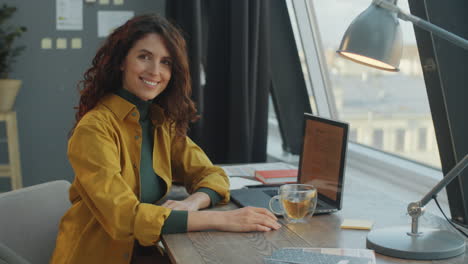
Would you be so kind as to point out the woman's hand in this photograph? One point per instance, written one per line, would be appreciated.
(245, 219)
(249, 219)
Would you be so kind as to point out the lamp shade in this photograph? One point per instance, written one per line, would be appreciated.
(374, 39)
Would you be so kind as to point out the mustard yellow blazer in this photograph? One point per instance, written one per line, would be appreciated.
(106, 215)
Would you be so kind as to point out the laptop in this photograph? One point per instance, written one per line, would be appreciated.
(322, 164)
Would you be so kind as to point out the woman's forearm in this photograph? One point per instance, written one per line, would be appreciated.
(204, 220)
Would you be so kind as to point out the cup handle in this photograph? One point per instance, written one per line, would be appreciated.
(276, 197)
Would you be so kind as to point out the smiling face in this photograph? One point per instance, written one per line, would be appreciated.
(147, 68)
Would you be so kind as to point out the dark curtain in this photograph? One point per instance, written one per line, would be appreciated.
(232, 37)
(187, 16)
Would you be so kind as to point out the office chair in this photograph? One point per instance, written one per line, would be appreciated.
(29, 221)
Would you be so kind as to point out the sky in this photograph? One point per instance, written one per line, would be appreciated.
(334, 17)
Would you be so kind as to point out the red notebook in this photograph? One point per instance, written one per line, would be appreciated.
(276, 176)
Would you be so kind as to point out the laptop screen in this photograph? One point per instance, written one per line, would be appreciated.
(323, 156)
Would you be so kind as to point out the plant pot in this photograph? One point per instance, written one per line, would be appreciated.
(8, 90)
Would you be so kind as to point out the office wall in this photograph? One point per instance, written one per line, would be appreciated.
(45, 102)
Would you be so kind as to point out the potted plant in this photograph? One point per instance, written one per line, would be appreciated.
(8, 53)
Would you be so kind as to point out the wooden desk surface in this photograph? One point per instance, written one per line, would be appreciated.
(323, 231)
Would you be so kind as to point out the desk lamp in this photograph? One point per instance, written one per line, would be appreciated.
(374, 39)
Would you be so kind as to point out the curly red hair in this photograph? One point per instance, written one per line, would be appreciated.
(105, 75)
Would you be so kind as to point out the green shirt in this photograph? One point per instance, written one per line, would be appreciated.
(152, 186)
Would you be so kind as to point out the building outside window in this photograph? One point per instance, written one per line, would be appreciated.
(400, 140)
(378, 138)
(353, 134)
(422, 139)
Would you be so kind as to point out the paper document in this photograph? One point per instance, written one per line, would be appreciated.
(238, 183)
(69, 14)
(248, 170)
(110, 20)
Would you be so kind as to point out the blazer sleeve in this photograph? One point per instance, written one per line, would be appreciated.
(193, 167)
(95, 157)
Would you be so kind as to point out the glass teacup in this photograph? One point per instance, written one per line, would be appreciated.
(296, 201)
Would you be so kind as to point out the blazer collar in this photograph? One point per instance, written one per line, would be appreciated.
(123, 108)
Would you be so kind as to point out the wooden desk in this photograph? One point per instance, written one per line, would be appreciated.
(323, 231)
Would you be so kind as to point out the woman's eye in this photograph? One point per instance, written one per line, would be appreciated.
(144, 57)
(167, 62)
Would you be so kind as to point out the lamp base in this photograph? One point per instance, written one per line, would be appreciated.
(430, 244)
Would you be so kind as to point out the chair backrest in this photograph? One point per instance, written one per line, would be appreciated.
(30, 217)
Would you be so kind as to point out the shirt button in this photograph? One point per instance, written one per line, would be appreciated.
(134, 166)
(126, 255)
(137, 137)
(134, 114)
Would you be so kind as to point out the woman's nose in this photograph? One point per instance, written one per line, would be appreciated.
(155, 68)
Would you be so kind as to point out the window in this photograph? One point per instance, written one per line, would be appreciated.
(367, 97)
(386, 111)
(377, 138)
(400, 140)
(422, 139)
(353, 134)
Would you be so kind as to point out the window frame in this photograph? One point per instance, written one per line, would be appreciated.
(317, 78)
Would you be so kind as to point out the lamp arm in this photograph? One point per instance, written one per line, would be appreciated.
(452, 174)
(455, 39)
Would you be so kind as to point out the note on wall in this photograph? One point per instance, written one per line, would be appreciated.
(110, 20)
(76, 43)
(46, 43)
(61, 43)
(69, 14)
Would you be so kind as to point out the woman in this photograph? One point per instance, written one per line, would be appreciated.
(129, 144)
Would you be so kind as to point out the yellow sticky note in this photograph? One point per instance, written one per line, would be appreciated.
(104, 2)
(61, 43)
(118, 2)
(46, 43)
(76, 43)
(357, 224)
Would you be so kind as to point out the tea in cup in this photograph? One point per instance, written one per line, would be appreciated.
(296, 201)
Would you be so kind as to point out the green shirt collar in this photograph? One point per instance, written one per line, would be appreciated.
(142, 106)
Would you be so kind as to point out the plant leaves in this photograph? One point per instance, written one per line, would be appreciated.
(8, 34)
